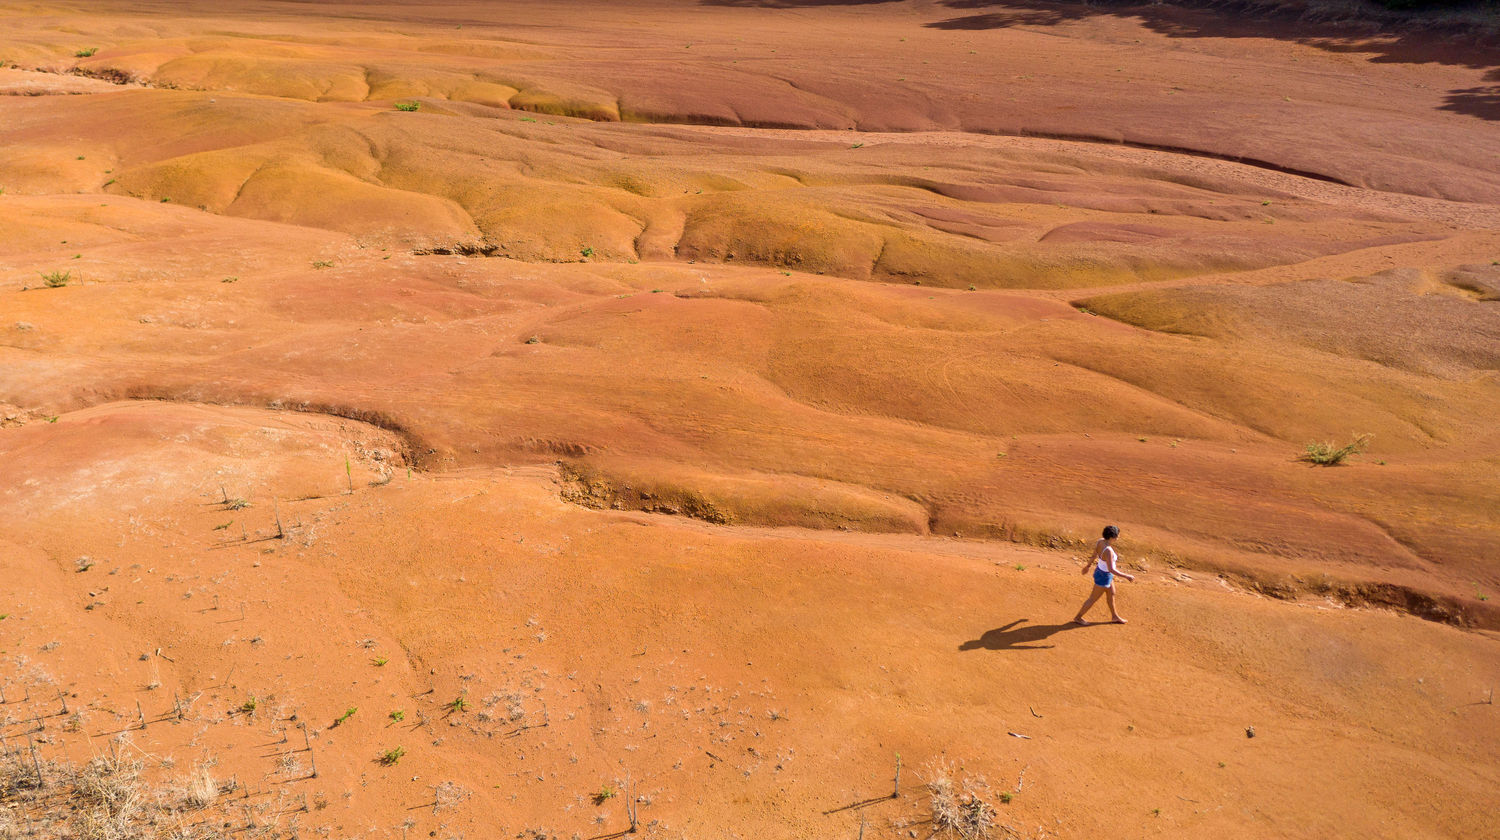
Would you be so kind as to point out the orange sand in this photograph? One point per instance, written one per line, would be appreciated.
(704, 392)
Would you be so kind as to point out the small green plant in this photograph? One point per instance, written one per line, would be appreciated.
(392, 755)
(856, 145)
(1222, 765)
(398, 715)
(1155, 812)
(248, 707)
(321, 264)
(586, 251)
(57, 279)
(379, 661)
(1006, 797)
(1265, 204)
(236, 504)
(110, 181)
(4, 616)
(1326, 454)
(52, 418)
(656, 291)
(85, 53)
(224, 527)
(166, 201)
(528, 119)
(1020, 567)
(458, 704)
(348, 713)
(604, 794)
(972, 288)
(408, 106)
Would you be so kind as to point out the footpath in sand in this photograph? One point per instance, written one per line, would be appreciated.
(677, 411)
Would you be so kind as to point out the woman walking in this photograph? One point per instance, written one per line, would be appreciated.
(1104, 563)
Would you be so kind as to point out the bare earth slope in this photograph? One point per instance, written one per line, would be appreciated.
(709, 396)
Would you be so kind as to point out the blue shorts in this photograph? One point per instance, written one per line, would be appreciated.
(1103, 578)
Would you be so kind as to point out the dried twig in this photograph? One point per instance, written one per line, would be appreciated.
(36, 763)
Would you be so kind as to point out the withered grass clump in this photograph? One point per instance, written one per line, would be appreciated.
(104, 799)
(1326, 454)
(201, 791)
(110, 798)
(960, 805)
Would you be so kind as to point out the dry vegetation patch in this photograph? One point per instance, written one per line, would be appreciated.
(109, 797)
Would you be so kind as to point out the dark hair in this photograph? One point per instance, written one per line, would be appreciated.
(1110, 532)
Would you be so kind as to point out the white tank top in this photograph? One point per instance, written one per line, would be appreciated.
(1106, 557)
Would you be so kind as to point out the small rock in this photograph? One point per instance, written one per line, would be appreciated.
(1249, 732)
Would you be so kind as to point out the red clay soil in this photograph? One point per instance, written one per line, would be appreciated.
(716, 398)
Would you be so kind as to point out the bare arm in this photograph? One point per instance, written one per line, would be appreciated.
(1114, 567)
(1089, 563)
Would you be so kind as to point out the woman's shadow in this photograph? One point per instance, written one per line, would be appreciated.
(1014, 637)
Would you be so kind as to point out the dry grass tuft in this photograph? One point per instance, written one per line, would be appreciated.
(960, 805)
(1327, 455)
(105, 799)
(201, 790)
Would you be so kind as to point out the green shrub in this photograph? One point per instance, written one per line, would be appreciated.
(1326, 454)
(408, 106)
(57, 279)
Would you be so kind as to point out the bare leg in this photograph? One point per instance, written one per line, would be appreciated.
(1109, 597)
(1093, 598)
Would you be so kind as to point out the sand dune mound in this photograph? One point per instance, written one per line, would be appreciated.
(1433, 323)
(981, 213)
(882, 407)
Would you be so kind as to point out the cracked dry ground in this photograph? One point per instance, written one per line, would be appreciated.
(676, 411)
